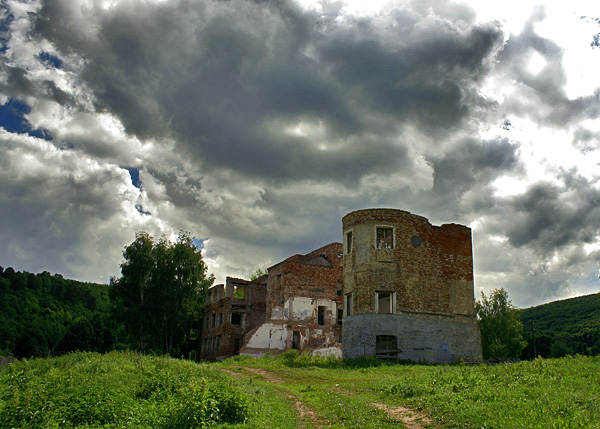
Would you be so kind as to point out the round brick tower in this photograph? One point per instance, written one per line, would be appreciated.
(408, 288)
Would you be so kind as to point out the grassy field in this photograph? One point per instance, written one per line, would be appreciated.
(122, 389)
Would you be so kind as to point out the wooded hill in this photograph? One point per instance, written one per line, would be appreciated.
(46, 315)
(567, 327)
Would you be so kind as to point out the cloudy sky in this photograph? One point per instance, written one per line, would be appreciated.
(256, 125)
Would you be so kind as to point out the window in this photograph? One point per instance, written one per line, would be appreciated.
(386, 346)
(212, 320)
(385, 238)
(349, 304)
(236, 318)
(239, 292)
(220, 319)
(206, 325)
(349, 242)
(384, 302)
(237, 345)
(340, 316)
(321, 315)
(296, 340)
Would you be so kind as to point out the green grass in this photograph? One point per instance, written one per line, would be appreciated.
(116, 390)
(123, 389)
(544, 393)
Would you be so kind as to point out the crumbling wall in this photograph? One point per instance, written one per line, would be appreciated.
(303, 304)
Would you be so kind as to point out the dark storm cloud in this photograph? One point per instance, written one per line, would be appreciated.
(229, 78)
(550, 216)
(474, 163)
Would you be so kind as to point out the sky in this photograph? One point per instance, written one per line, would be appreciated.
(257, 125)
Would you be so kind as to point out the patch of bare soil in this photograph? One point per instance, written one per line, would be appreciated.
(412, 419)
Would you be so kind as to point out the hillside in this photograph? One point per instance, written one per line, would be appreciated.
(44, 314)
(570, 326)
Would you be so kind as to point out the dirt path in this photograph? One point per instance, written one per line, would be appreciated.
(305, 413)
(410, 418)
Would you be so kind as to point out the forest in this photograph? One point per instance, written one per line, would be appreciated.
(561, 328)
(46, 315)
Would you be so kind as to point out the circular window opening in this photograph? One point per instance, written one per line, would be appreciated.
(416, 241)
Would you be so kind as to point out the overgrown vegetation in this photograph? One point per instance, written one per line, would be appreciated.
(44, 314)
(117, 389)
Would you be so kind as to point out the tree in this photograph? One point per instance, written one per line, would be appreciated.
(128, 293)
(259, 273)
(501, 326)
(161, 292)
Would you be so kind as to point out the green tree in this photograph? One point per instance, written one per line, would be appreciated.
(501, 327)
(161, 292)
(259, 273)
(129, 293)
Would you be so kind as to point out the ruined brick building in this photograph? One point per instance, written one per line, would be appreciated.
(408, 288)
(297, 305)
(397, 288)
(230, 312)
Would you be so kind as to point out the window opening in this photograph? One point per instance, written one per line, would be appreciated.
(220, 319)
(340, 316)
(349, 242)
(385, 238)
(296, 340)
(321, 315)
(236, 318)
(239, 292)
(384, 302)
(237, 345)
(212, 320)
(349, 304)
(386, 346)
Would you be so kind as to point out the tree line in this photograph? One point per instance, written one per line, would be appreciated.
(553, 330)
(152, 307)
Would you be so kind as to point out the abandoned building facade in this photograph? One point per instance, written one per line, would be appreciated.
(408, 288)
(397, 288)
(230, 312)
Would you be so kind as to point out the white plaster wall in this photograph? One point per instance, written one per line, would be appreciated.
(302, 308)
(268, 336)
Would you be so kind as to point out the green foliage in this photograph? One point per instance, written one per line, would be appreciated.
(117, 390)
(259, 273)
(160, 295)
(567, 327)
(44, 314)
(501, 327)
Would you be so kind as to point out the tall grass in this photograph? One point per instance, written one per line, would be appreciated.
(116, 390)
